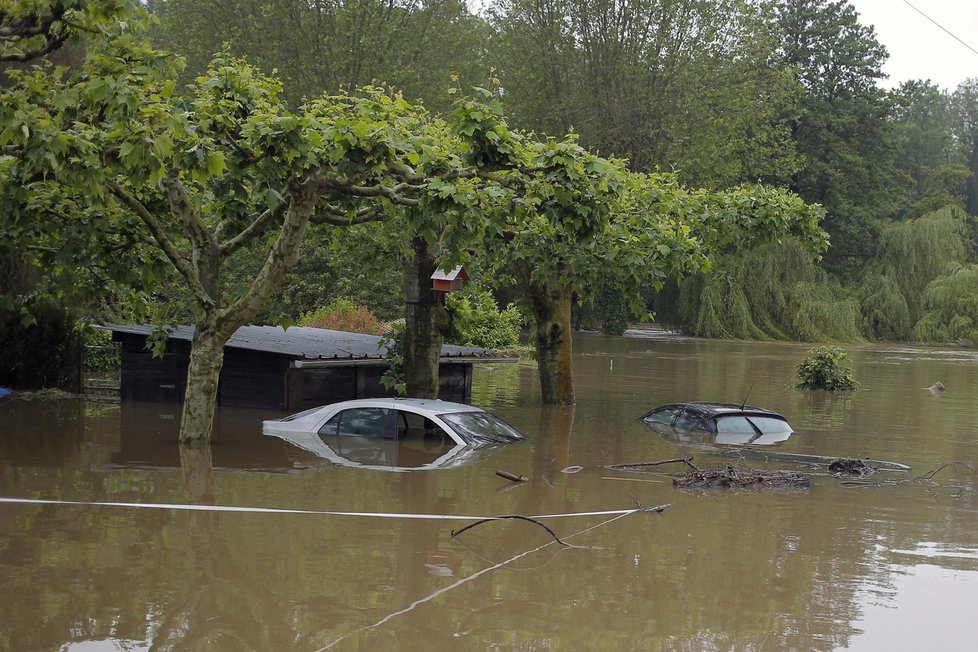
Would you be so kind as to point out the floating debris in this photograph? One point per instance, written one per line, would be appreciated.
(511, 476)
(730, 477)
(811, 460)
(638, 466)
(851, 468)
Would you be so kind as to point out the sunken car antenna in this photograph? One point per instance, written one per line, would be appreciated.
(748, 394)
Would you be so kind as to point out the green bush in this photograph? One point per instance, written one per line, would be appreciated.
(101, 353)
(611, 306)
(478, 321)
(39, 347)
(344, 315)
(826, 368)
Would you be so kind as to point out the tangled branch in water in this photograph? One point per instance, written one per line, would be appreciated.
(641, 465)
(920, 479)
(455, 533)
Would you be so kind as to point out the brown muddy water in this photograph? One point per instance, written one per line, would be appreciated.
(887, 567)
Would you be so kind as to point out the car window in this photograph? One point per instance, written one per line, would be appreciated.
(769, 425)
(482, 427)
(738, 425)
(418, 429)
(358, 422)
(689, 421)
(665, 415)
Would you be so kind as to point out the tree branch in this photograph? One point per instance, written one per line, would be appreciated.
(160, 240)
(253, 230)
(337, 217)
(183, 209)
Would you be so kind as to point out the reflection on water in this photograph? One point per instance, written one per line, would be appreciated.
(889, 567)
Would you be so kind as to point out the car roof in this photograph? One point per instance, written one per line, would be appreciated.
(717, 409)
(431, 406)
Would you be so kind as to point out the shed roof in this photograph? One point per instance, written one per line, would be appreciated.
(306, 343)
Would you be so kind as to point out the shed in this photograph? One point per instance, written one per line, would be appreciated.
(282, 369)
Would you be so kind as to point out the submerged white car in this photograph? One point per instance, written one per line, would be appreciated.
(393, 433)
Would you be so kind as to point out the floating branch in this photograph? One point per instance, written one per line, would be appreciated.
(640, 465)
(510, 476)
(919, 480)
(658, 509)
(455, 533)
(932, 473)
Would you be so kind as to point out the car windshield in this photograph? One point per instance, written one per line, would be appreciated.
(770, 425)
(482, 427)
(737, 424)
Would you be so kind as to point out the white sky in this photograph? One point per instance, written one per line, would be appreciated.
(918, 48)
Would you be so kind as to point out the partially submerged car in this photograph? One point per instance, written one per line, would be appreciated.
(394, 434)
(718, 423)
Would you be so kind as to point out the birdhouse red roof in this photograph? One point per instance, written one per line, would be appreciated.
(442, 281)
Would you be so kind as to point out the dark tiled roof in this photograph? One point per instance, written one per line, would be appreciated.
(305, 343)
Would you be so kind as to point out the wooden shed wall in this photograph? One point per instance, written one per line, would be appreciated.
(256, 379)
(311, 387)
(145, 378)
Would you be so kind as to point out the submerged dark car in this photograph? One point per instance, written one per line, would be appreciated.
(719, 423)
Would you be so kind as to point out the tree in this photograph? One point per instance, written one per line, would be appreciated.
(332, 45)
(589, 219)
(196, 177)
(965, 105)
(34, 28)
(680, 84)
(951, 307)
(915, 252)
(842, 133)
(925, 150)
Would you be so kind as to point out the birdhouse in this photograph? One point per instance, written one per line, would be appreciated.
(443, 282)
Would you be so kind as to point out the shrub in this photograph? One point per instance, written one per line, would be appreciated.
(478, 321)
(392, 341)
(826, 368)
(344, 315)
(101, 353)
(39, 347)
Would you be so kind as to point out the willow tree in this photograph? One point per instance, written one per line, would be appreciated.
(915, 252)
(197, 177)
(951, 307)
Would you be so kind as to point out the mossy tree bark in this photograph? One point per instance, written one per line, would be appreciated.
(425, 323)
(551, 305)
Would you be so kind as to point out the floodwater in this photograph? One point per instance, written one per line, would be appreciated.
(323, 558)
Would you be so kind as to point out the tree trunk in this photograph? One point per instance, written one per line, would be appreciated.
(551, 304)
(200, 399)
(425, 323)
(218, 325)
